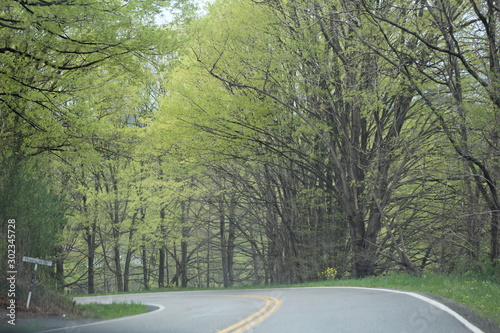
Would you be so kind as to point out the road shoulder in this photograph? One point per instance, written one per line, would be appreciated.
(29, 322)
(486, 325)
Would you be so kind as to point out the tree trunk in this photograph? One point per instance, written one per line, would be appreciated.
(495, 225)
(364, 255)
(161, 267)
(118, 268)
(184, 257)
(145, 278)
(184, 245)
(90, 239)
(230, 242)
(223, 242)
(128, 257)
(184, 264)
(126, 270)
(227, 239)
(175, 279)
(162, 253)
(208, 256)
(59, 269)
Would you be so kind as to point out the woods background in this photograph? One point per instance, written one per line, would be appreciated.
(253, 142)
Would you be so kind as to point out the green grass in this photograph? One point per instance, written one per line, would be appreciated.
(110, 311)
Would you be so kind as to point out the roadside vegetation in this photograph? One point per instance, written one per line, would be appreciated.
(111, 311)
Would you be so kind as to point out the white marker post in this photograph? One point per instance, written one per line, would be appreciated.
(33, 277)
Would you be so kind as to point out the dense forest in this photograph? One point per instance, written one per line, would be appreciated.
(156, 144)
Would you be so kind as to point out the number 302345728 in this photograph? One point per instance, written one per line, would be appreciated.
(11, 239)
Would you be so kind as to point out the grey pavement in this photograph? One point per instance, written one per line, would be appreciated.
(331, 309)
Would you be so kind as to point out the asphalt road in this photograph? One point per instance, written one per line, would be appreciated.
(336, 310)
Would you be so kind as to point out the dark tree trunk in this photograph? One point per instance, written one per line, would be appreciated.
(118, 268)
(161, 268)
(230, 242)
(223, 242)
(495, 225)
(90, 239)
(145, 278)
(227, 239)
(184, 262)
(58, 274)
(126, 270)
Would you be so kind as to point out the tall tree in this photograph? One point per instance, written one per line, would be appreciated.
(309, 60)
(47, 50)
(458, 53)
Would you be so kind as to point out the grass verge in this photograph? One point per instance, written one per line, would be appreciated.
(110, 311)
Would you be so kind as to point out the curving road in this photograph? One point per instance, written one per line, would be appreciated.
(329, 309)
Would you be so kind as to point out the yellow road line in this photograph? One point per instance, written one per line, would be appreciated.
(271, 306)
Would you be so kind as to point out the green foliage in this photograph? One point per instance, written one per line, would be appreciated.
(287, 137)
(52, 54)
(28, 196)
(79, 81)
(485, 270)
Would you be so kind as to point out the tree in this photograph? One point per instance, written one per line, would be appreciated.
(49, 48)
(52, 54)
(309, 61)
(38, 211)
(454, 67)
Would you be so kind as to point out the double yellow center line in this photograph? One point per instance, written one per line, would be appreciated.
(271, 306)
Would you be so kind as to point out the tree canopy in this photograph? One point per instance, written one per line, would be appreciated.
(252, 142)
